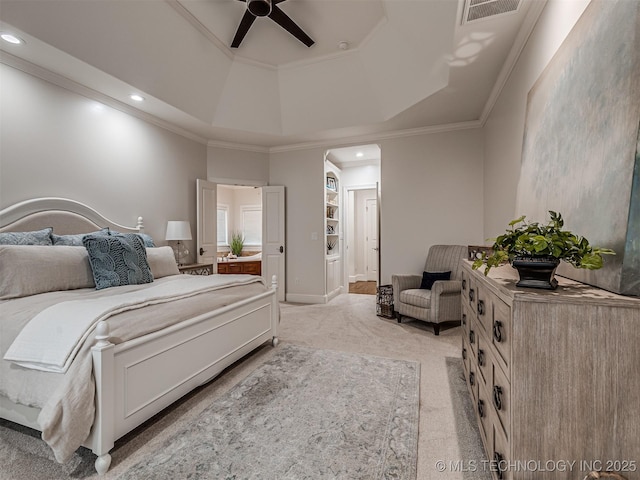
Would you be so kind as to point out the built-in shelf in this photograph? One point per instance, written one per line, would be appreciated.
(333, 272)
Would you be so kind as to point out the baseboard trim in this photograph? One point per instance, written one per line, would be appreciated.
(305, 298)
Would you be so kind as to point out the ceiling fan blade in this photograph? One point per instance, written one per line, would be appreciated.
(289, 25)
(243, 28)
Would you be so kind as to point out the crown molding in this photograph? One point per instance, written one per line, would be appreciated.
(530, 21)
(73, 86)
(237, 146)
(376, 137)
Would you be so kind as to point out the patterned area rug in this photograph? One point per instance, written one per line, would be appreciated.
(474, 463)
(305, 414)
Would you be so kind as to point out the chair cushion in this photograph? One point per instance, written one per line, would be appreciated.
(416, 296)
(429, 278)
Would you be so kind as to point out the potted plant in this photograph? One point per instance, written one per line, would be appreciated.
(535, 250)
(237, 243)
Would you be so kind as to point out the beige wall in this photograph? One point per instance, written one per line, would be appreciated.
(431, 193)
(57, 143)
(242, 167)
(504, 128)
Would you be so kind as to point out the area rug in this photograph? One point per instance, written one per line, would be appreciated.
(474, 463)
(305, 414)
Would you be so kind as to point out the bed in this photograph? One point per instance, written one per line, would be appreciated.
(146, 352)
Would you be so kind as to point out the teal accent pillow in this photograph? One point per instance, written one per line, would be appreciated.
(75, 240)
(37, 237)
(117, 259)
(148, 241)
(429, 278)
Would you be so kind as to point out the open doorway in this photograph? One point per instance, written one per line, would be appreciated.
(360, 173)
(239, 227)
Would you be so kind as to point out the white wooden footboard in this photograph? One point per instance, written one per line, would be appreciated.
(137, 379)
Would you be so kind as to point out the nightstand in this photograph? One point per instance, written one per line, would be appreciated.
(197, 268)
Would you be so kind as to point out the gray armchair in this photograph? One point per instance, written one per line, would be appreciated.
(442, 303)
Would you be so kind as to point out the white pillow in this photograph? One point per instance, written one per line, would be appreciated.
(162, 262)
(31, 269)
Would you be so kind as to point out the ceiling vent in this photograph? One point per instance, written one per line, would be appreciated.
(479, 9)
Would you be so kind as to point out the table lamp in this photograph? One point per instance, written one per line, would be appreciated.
(179, 230)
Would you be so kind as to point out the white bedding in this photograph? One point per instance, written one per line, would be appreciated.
(67, 400)
(51, 339)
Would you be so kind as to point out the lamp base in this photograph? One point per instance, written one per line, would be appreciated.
(181, 253)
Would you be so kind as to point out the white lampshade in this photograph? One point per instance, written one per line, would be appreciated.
(178, 230)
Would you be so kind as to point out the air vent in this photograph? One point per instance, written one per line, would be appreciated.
(480, 9)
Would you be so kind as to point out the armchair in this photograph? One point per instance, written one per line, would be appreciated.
(442, 303)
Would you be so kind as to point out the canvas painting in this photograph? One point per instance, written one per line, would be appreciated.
(580, 148)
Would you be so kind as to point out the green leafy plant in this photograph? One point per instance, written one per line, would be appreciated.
(533, 239)
(237, 243)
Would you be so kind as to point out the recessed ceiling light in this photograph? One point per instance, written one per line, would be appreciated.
(136, 97)
(8, 37)
(359, 154)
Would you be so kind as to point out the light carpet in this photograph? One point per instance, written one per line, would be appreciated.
(306, 413)
(348, 323)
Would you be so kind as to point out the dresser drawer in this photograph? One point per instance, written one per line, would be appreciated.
(501, 332)
(483, 310)
(483, 411)
(500, 454)
(483, 359)
(500, 391)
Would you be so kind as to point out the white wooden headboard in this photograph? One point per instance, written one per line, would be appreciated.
(64, 215)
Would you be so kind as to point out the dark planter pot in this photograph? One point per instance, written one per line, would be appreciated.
(536, 272)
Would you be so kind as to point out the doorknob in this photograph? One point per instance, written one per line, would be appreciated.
(281, 249)
(376, 248)
(202, 250)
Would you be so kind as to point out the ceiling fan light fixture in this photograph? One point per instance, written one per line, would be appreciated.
(259, 8)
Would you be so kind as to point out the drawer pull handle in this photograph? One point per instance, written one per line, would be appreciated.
(464, 284)
(497, 330)
(464, 353)
(472, 294)
(480, 307)
(481, 357)
(464, 319)
(472, 336)
(472, 378)
(497, 397)
(498, 459)
(481, 408)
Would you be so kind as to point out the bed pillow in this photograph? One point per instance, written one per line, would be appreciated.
(147, 240)
(117, 259)
(162, 262)
(75, 240)
(37, 237)
(33, 269)
(429, 278)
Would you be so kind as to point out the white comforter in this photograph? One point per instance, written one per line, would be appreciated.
(51, 339)
(67, 400)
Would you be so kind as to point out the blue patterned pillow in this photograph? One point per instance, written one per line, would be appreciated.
(75, 240)
(148, 241)
(37, 237)
(117, 259)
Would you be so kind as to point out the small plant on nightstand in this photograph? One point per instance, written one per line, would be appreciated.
(237, 243)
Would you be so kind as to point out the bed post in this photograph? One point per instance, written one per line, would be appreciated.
(102, 432)
(140, 225)
(275, 311)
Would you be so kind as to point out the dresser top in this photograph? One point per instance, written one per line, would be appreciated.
(503, 281)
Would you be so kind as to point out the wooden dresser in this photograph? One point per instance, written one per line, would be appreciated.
(251, 267)
(554, 376)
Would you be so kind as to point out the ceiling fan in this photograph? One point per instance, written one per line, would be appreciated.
(268, 8)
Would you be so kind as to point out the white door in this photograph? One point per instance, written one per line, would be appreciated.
(371, 220)
(273, 236)
(207, 218)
